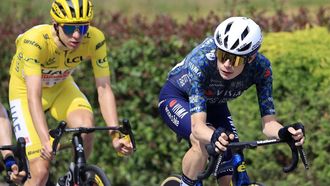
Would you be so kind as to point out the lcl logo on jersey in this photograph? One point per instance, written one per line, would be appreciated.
(102, 62)
(74, 61)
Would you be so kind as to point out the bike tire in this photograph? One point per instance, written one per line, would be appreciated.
(95, 176)
(173, 180)
(255, 184)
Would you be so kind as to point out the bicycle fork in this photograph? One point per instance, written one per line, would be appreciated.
(73, 177)
(240, 176)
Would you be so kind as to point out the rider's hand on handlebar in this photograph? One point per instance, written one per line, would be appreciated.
(122, 145)
(293, 132)
(16, 176)
(220, 140)
(13, 174)
(47, 151)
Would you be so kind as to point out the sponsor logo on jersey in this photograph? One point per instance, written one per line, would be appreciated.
(211, 55)
(102, 62)
(46, 36)
(31, 152)
(98, 45)
(267, 73)
(50, 61)
(74, 60)
(195, 69)
(55, 74)
(172, 103)
(183, 80)
(33, 43)
(51, 77)
(19, 125)
(179, 110)
(30, 59)
(172, 117)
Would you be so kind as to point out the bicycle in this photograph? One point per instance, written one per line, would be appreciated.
(79, 172)
(20, 156)
(237, 164)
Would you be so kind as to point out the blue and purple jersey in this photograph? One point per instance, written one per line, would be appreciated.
(197, 76)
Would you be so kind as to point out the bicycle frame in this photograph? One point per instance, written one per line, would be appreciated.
(237, 160)
(20, 153)
(76, 167)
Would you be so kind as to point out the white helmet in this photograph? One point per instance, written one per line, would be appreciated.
(238, 35)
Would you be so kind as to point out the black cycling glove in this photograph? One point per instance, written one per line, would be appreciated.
(285, 135)
(215, 136)
(9, 161)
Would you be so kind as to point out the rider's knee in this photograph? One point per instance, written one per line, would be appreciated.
(40, 171)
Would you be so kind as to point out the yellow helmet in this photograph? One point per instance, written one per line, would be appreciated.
(72, 11)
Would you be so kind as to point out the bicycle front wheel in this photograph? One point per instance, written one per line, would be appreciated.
(95, 176)
(173, 180)
(254, 184)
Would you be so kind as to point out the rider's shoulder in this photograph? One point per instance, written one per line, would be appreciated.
(35, 36)
(262, 60)
(38, 30)
(95, 32)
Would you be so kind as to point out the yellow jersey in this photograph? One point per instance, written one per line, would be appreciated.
(38, 54)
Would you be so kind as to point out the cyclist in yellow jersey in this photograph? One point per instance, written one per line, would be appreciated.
(41, 69)
(7, 155)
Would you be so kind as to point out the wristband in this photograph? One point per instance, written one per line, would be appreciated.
(9, 162)
(114, 134)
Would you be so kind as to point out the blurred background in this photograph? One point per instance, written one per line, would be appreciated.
(146, 38)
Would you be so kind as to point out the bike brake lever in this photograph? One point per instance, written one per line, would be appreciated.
(303, 157)
(127, 130)
(57, 134)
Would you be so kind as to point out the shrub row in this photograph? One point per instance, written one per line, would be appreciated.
(141, 54)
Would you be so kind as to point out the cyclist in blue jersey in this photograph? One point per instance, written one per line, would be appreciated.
(197, 90)
(10, 163)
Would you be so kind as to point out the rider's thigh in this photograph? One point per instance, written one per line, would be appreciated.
(225, 180)
(39, 172)
(72, 106)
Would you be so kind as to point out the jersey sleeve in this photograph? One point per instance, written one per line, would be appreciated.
(265, 88)
(197, 76)
(99, 57)
(29, 55)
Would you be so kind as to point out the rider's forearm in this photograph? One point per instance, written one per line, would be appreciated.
(108, 106)
(271, 126)
(199, 128)
(38, 117)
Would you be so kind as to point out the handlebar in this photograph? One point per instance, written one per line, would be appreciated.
(58, 132)
(215, 161)
(20, 154)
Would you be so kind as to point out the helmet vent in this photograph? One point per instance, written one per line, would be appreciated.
(228, 27)
(234, 45)
(245, 33)
(246, 47)
(61, 8)
(225, 41)
(73, 12)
